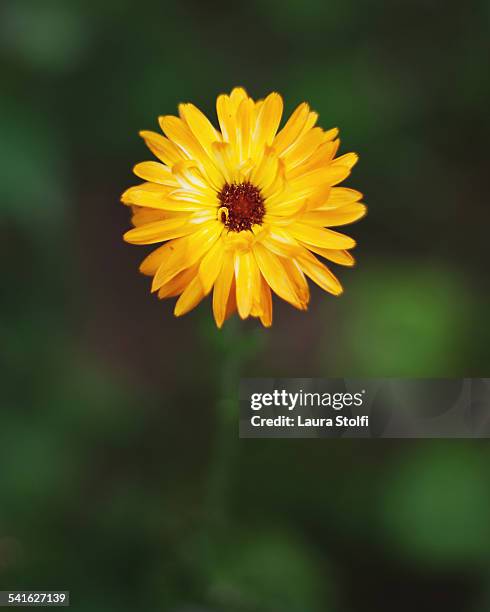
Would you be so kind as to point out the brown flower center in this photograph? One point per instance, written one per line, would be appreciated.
(241, 206)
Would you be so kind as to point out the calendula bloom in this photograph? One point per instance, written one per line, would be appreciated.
(241, 210)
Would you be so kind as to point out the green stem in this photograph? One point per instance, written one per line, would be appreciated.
(232, 358)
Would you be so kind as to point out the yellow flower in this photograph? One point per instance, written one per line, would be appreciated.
(242, 210)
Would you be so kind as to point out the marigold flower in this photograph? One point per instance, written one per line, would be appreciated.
(242, 210)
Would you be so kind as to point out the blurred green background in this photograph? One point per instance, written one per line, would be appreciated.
(121, 474)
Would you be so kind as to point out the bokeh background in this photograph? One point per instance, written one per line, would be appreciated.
(122, 477)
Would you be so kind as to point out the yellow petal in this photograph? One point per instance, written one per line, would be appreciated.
(305, 185)
(152, 262)
(142, 215)
(278, 184)
(318, 236)
(247, 282)
(244, 170)
(281, 214)
(303, 149)
(225, 159)
(231, 305)
(264, 173)
(210, 266)
(335, 216)
(177, 284)
(310, 122)
(157, 196)
(188, 176)
(292, 129)
(200, 126)
(297, 278)
(268, 120)
(331, 175)
(179, 132)
(342, 195)
(226, 109)
(256, 309)
(343, 258)
(349, 160)
(331, 134)
(318, 197)
(279, 242)
(237, 95)
(276, 276)
(319, 159)
(226, 118)
(244, 124)
(257, 106)
(186, 252)
(158, 231)
(265, 304)
(190, 298)
(151, 188)
(173, 263)
(161, 147)
(319, 273)
(222, 288)
(187, 199)
(238, 241)
(155, 173)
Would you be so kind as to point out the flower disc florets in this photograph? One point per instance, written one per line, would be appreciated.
(242, 206)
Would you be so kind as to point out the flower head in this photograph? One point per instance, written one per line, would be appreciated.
(242, 210)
